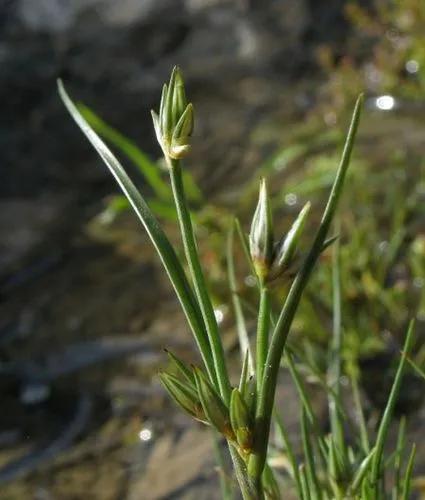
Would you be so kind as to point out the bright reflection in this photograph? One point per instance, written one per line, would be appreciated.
(385, 102)
(145, 435)
(412, 66)
(250, 281)
(418, 282)
(291, 199)
(219, 314)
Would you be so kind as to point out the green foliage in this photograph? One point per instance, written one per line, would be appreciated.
(330, 468)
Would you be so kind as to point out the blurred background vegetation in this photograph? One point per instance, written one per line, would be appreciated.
(85, 309)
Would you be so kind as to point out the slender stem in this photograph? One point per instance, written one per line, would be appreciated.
(309, 456)
(159, 239)
(364, 437)
(198, 279)
(408, 474)
(334, 373)
(283, 325)
(263, 327)
(401, 441)
(306, 403)
(389, 409)
(250, 490)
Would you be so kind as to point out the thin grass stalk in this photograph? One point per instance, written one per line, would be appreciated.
(198, 279)
(388, 413)
(364, 436)
(315, 490)
(308, 408)
(304, 483)
(160, 241)
(263, 326)
(283, 325)
(401, 442)
(241, 328)
(250, 490)
(334, 372)
(361, 474)
(408, 474)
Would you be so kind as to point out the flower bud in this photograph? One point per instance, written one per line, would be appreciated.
(184, 395)
(249, 394)
(261, 234)
(214, 407)
(174, 125)
(241, 422)
(181, 368)
(287, 246)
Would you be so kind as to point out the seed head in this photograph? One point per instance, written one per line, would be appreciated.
(174, 124)
(241, 421)
(285, 249)
(214, 407)
(184, 395)
(261, 234)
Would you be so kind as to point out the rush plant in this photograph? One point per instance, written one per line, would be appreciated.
(244, 414)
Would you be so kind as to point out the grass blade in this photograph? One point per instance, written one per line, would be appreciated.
(283, 325)
(361, 473)
(309, 456)
(408, 474)
(156, 234)
(401, 442)
(389, 409)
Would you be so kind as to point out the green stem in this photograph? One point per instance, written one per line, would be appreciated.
(198, 279)
(334, 373)
(388, 413)
(250, 490)
(364, 437)
(263, 327)
(283, 325)
(160, 241)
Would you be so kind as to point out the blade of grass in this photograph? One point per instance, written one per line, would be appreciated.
(304, 483)
(408, 474)
(334, 371)
(361, 474)
(309, 457)
(156, 234)
(401, 442)
(417, 368)
(364, 437)
(388, 412)
(283, 325)
(308, 408)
